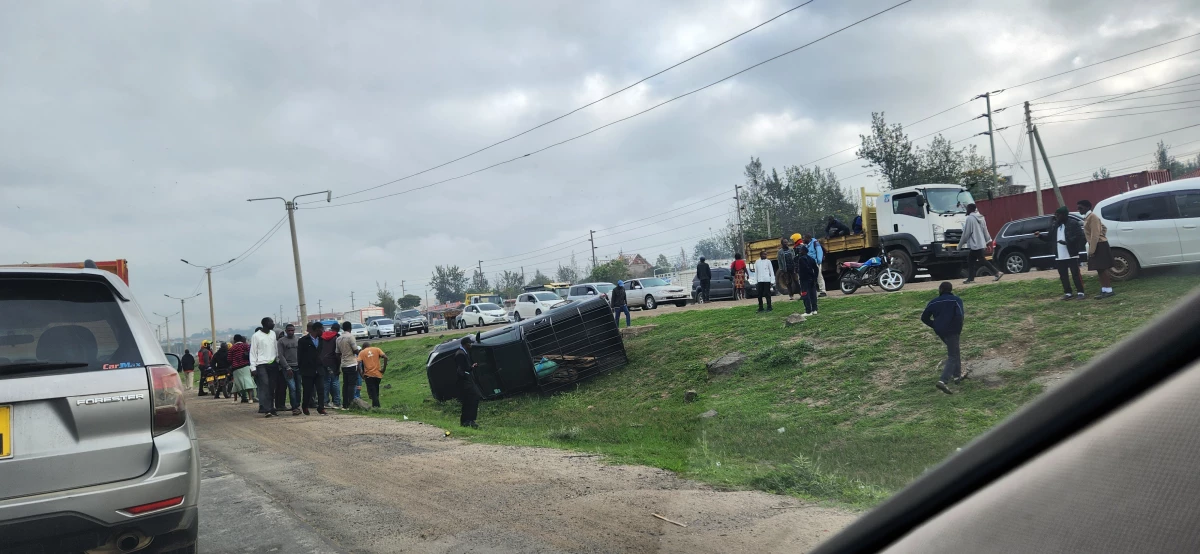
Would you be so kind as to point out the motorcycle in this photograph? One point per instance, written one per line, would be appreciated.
(219, 382)
(876, 271)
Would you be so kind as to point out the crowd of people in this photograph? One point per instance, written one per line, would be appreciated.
(282, 370)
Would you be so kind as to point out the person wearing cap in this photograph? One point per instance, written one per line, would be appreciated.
(619, 303)
(1099, 256)
(468, 393)
(704, 275)
(1067, 236)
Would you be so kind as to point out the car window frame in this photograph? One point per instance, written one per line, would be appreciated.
(904, 196)
(1178, 209)
(1168, 202)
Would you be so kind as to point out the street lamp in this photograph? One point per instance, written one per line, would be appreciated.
(290, 206)
(167, 325)
(212, 317)
(183, 315)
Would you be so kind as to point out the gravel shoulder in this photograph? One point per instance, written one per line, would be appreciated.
(378, 485)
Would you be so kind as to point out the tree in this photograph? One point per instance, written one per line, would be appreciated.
(509, 284)
(662, 264)
(799, 201)
(540, 278)
(567, 274)
(1164, 160)
(449, 283)
(384, 299)
(711, 248)
(479, 283)
(1101, 173)
(610, 271)
(889, 150)
(408, 302)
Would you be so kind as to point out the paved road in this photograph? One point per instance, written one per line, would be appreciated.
(926, 285)
(341, 483)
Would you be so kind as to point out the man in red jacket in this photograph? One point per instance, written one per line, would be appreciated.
(204, 363)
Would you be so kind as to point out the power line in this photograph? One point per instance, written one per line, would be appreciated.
(670, 230)
(1046, 109)
(1123, 95)
(627, 118)
(589, 104)
(254, 247)
(1124, 141)
(1129, 158)
(1023, 84)
(1129, 108)
(1113, 75)
(656, 222)
(1116, 115)
(723, 193)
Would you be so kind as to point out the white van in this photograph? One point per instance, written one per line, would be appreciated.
(1153, 226)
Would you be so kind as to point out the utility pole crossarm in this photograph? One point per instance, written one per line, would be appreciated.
(290, 206)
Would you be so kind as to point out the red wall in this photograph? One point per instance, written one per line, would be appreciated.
(1001, 210)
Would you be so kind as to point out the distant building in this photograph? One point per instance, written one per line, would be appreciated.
(638, 266)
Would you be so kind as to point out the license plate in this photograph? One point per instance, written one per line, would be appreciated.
(6, 432)
(210, 379)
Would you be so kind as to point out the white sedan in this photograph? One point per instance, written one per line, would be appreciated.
(486, 313)
(358, 330)
(648, 293)
(533, 304)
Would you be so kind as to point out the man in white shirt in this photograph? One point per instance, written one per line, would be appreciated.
(1068, 239)
(263, 352)
(764, 273)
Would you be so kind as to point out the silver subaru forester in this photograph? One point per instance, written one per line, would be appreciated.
(97, 452)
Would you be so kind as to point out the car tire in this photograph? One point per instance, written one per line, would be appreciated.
(650, 303)
(481, 322)
(681, 304)
(1124, 265)
(1016, 262)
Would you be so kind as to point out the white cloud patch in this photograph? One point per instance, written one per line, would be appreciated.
(773, 129)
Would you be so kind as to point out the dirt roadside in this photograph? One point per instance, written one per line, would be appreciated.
(376, 485)
(834, 295)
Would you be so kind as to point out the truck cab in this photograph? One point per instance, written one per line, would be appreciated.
(921, 226)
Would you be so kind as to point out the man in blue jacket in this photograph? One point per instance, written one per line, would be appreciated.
(944, 315)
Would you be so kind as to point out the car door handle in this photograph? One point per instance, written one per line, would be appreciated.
(1126, 228)
(1189, 226)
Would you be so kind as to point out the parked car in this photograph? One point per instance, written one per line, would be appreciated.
(358, 330)
(533, 304)
(410, 321)
(1016, 250)
(482, 314)
(1153, 226)
(721, 285)
(649, 292)
(584, 291)
(382, 327)
(97, 450)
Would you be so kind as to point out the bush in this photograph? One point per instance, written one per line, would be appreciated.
(565, 434)
(804, 477)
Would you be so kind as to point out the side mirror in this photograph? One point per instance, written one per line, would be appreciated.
(173, 360)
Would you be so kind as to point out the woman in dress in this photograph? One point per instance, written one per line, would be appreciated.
(738, 268)
(239, 359)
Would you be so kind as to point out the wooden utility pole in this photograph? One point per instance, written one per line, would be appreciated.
(741, 232)
(1049, 170)
(1037, 178)
(592, 237)
(352, 301)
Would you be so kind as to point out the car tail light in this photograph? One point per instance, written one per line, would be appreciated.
(154, 506)
(166, 399)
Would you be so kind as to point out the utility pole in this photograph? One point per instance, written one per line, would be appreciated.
(592, 237)
(352, 301)
(183, 315)
(402, 291)
(1049, 170)
(280, 320)
(290, 206)
(212, 316)
(741, 233)
(1037, 178)
(480, 281)
(319, 311)
(167, 324)
(987, 96)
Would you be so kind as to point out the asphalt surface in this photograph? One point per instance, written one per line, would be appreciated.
(344, 483)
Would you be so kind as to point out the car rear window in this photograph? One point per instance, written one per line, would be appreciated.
(62, 326)
(1113, 212)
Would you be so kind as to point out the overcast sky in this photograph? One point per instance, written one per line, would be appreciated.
(138, 130)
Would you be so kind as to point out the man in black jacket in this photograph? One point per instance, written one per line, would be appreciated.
(312, 369)
(704, 275)
(835, 228)
(1067, 236)
(944, 315)
(467, 393)
(619, 303)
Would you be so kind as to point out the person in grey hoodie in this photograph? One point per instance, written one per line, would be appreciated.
(975, 238)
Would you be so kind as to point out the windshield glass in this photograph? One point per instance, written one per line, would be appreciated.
(409, 313)
(547, 296)
(605, 287)
(654, 282)
(383, 321)
(62, 326)
(948, 201)
(488, 306)
(357, 326)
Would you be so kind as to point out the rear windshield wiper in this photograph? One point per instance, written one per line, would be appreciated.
(39, 366)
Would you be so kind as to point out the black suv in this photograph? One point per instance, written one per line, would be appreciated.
(410, 321)
(1017, 250)
(721, 286)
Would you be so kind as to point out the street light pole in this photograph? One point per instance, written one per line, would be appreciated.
(183, 315)
(290, 206)
(167, 325)
(212, 316)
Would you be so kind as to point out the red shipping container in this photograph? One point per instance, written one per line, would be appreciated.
(999, 211)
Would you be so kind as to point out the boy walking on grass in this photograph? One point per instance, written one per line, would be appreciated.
(944, 315)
